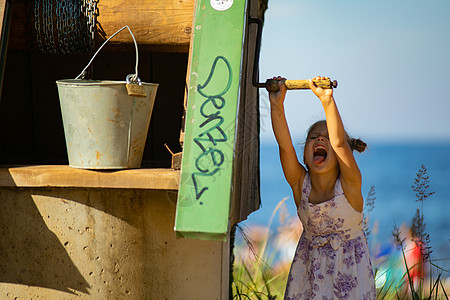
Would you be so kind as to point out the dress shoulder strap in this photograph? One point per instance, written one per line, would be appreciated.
(338, 190)
(306, 187)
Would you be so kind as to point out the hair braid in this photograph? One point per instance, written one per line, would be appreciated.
(358, 145)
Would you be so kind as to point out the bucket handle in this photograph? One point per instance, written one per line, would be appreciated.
(130, 77)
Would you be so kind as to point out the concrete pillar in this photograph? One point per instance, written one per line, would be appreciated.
(87, 243)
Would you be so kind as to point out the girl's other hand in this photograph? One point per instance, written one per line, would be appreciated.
(322, 94)
(277, 98)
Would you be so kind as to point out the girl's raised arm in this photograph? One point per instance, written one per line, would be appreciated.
(350, 174)
(294, 172)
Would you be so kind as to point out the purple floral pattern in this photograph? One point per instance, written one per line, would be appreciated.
(327, 251)
(332, 259)
(344, 285)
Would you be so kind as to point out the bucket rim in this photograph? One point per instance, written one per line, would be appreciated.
(94, 82)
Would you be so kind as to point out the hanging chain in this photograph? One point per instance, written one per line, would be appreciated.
(37, 25)
(91, 12)
(48, 26)
(65, 26)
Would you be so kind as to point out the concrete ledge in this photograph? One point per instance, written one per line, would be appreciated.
(65, 176)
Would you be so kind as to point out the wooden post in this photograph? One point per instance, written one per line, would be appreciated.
(207, 165)
(5, 15)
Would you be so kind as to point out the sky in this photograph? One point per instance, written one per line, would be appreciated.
(390, 58)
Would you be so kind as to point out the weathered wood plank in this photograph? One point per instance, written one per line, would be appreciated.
(65, 176)
(153, 22)
(2, 12)
(5, 14)
(246, 180)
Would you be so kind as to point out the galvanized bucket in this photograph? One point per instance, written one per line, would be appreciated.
(106, 122)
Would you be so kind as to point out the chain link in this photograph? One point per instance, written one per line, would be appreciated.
(65, 26)
(37, 25)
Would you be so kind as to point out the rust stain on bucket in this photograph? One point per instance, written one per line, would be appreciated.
(99, 155)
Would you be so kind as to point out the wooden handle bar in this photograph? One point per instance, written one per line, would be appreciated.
(272, 84)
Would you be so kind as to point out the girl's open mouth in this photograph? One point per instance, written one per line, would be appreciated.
(320, 154)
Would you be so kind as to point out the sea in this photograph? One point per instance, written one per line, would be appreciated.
(391, 168)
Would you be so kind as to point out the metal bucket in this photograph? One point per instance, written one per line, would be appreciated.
(105, 127)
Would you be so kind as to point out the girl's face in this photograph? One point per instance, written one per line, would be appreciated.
(319, 155)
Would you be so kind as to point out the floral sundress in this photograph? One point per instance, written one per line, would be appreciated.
(332, 258)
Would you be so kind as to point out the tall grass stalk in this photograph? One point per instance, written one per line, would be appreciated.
(421, 240)
(253, 277)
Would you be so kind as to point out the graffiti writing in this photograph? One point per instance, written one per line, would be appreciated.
(211, 159)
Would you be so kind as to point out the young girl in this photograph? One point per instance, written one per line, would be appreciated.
(332, 259)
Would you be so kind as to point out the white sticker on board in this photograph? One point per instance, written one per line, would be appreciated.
(221, 5)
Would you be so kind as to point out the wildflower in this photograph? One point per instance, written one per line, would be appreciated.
(397, 238)
(422, 184)
(421, 187)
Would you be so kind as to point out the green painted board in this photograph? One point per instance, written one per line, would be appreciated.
(207, 165)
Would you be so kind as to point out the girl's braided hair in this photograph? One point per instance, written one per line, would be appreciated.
(356, 144)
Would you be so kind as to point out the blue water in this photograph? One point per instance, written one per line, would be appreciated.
(391, 169)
